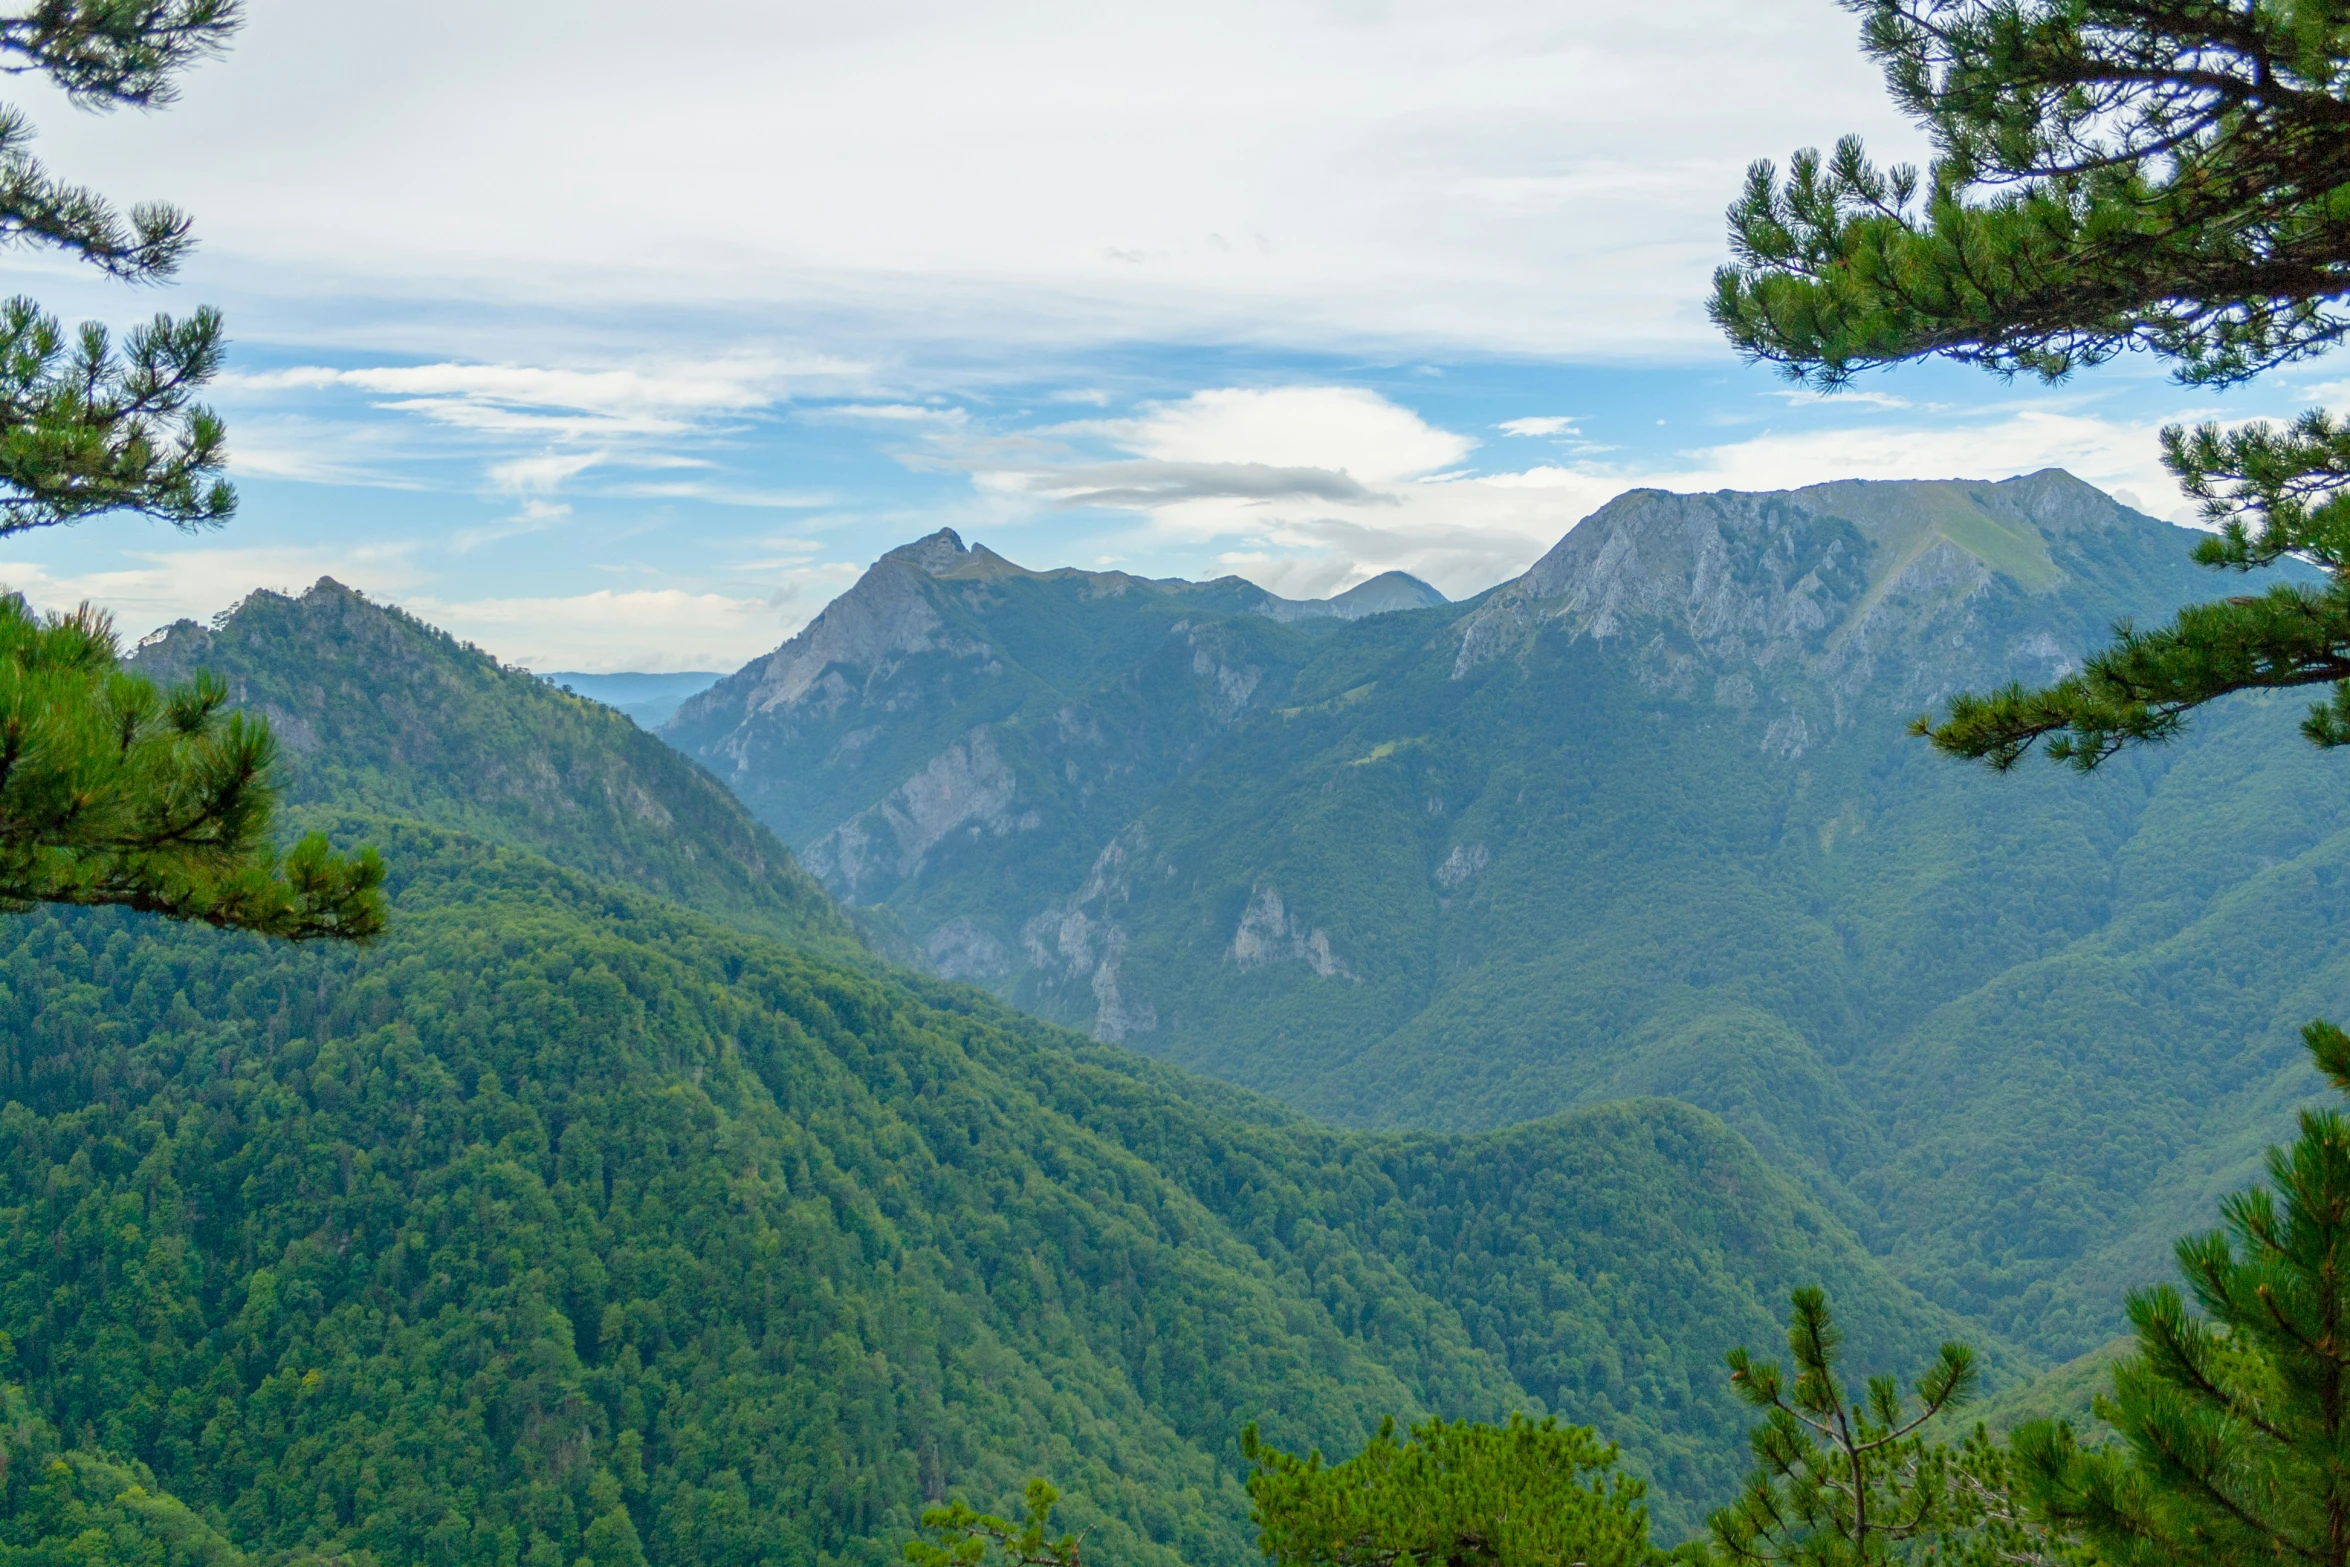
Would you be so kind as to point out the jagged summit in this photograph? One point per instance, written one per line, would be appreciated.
(1831, 577)
(945, 556)
(1647, 820)
(938, 554)
(892, 613)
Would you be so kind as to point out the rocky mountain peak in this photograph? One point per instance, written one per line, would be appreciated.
(938, 554)
(1780, 577)
(325, 608)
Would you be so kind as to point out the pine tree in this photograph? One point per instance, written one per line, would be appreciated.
(112, 792)
(2235, 1424)
(1525, 1494)
(2166, 175)
(965, 1535)
(1839, 1481)
(87, 427)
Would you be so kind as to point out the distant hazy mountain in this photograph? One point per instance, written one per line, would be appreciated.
(1644, 820)
(898, 727)
(649, 699)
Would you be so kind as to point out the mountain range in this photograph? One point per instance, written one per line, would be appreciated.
(1318, 1010)
(1645, 820)
(618, 1205)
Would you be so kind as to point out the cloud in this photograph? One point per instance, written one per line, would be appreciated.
(651, 629)
(1378, 499)
(1350, 429)
(642, 407)
(540, 474)
(721, 494)
(531, 429)
(310, 450)
(1804, 396)
(163, 586)
(888, 413)
(535, 516)
(1521, 176)
(620, 393)
(1145, 485)
(1995, 444)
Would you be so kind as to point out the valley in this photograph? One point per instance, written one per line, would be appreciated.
(1644, 820)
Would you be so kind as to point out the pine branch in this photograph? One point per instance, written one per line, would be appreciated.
(85, 428)
(115, 793)
(109, 52)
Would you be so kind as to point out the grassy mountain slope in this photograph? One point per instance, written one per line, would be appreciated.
(568, 1222)
(2068, 1392)
(1646, 821)
(370, 704)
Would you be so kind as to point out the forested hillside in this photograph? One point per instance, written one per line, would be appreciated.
(1644, 821)
(567, 1221)
(371, 705)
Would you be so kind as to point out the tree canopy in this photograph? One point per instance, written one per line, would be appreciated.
(2165, 175)
(87, 426)
(1839, 1481)
(113, 791)
(2234, 1422)
(1524, 1494)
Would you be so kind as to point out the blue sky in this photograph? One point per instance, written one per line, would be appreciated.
(611, 349)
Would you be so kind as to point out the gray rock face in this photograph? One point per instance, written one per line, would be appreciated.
(1268, 934)
(1849, 585)
(1079, 946)
(965, 787)
(1464, 865)
(886, 618)
(962, 949)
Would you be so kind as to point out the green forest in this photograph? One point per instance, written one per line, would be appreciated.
(564, 1207)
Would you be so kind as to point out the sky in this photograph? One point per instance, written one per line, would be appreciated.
(613, 345)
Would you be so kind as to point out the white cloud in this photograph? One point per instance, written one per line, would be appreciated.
(650, 629)
(722, 384)
(646, 406)
(531, 428)
(888, 413)
(162, 586)
(1517, 175)
(1546, 424)
(1150, 485)
(1342, 428)
(1996, 445)
(540, 474)
(535, 516)
(720, 494)
(319, 451)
